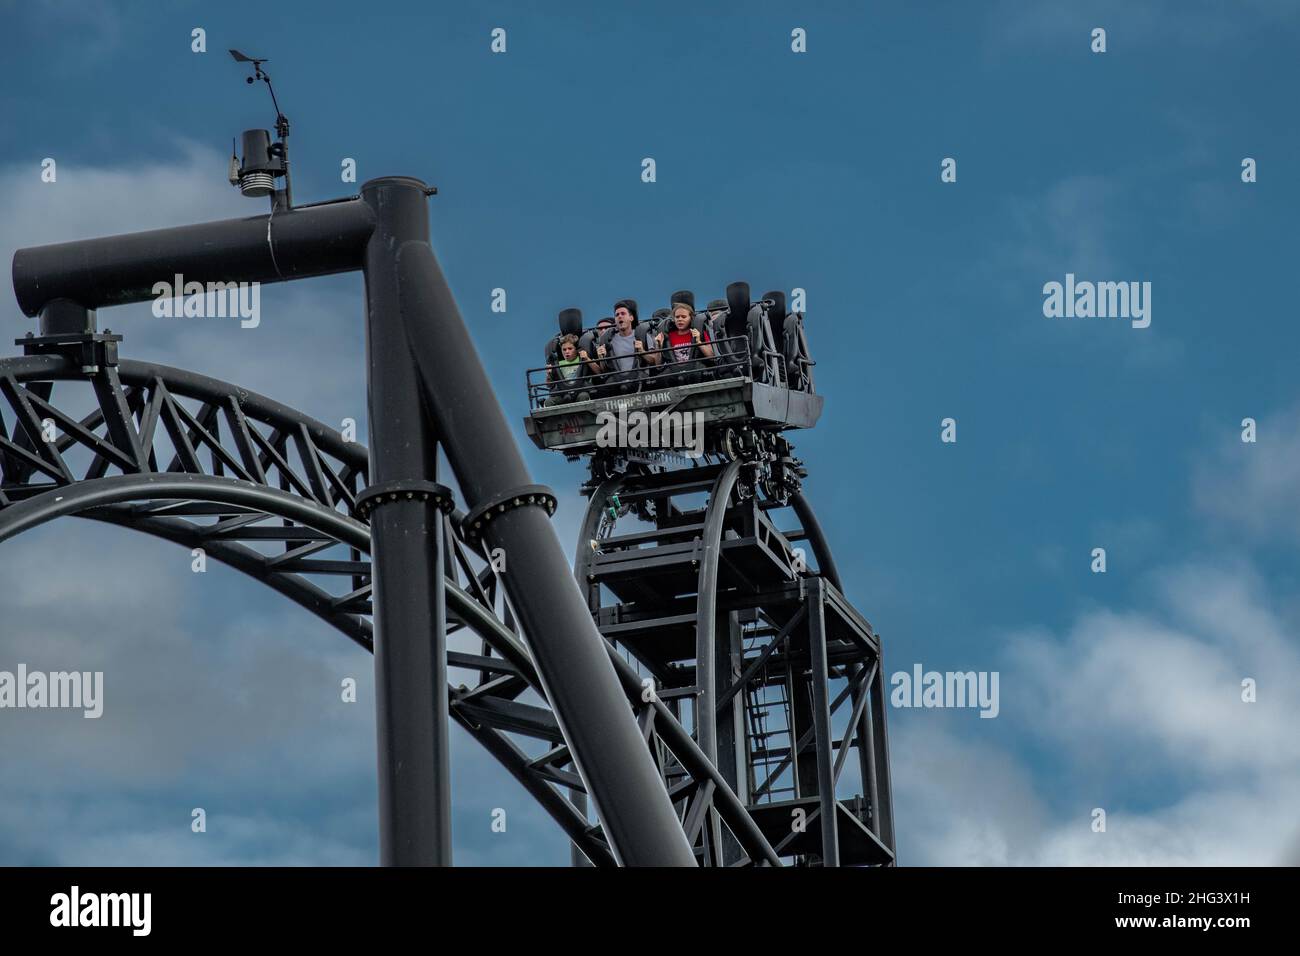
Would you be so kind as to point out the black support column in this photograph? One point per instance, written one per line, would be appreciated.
(732, 751)
(407, 557)
(822, 722)
(883, 810)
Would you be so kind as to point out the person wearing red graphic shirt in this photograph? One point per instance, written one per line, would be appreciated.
(688, 348)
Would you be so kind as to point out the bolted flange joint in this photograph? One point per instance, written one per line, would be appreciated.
(478, 520)
(393, 491)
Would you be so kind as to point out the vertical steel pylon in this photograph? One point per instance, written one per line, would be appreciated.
(406, 533)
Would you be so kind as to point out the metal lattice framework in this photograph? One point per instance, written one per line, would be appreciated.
(273, 493)
(753, 646)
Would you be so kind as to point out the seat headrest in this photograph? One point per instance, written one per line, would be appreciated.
(738, 304)
(684, 295)
(570, 321)
(778, 305)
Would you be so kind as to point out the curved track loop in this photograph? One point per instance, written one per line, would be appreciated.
(264, 489)
(744, 641)
(716, 802)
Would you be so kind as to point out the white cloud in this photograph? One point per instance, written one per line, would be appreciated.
(308, 350)
(216, 695)
(90, 201)
(108, 830)
(182, 686)
(1124, 704)
(1254, 487)
(1168, 683)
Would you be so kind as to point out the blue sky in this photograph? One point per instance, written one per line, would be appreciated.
(818, 171)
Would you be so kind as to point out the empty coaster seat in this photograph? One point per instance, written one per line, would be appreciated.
(746, 323)
(763, 347)
(787, 333)
(798, 358)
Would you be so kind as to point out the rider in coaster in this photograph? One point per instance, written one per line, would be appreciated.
(623, 357)
(688, 347)
(566, 374)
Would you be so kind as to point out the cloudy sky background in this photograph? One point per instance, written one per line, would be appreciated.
(821, 171)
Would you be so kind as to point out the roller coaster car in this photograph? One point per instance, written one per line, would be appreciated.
(759, 378)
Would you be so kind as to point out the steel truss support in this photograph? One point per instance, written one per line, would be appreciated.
(756, 620)
(112, 500)
(414, 333)
(165, 504)
(873, 749)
